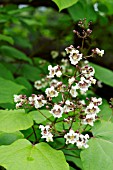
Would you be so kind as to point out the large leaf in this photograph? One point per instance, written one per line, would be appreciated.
(64, 3)
(14, 120)
(8, 89)
(8, 138)
(40, 116)
(23, 155)
(7, 38)
(83, 9)
(5, 73)
(31, 73)
(99, 155)
(103, 74)
(106, 111)
(14, 53)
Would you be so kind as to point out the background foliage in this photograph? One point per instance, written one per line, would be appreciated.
(27, 36)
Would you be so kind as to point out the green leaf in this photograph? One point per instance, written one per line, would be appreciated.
(83, 9)
(64, 3)
(5, 73)
(106, 111)
(103, 74)
(38, 117)
(8, 138)
(14, 53)
(30, 72)
(7, 38)
(25, 83)
(8, 89)
(23, 155)
(99, 155)
(14, 120)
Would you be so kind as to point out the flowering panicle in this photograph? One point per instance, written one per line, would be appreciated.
(65, 97)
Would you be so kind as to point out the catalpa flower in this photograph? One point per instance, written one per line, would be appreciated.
(99, 52)
(57, 111)
(83, 84)
(92, 109)
(87, 71)
(75, 57)
(82, 141)
(69, 106)
(51, 92)
(73, 91)
(89, 119)
(71, 137)
(56, 70)
(46, 133)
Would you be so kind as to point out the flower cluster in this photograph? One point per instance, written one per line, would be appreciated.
(63, 98)
(91, 111)
(76, 138)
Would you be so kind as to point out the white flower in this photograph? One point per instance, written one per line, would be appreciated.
(57, 111)
(71, 80)
(71, 137)
(89, 119)
(56, 70)
(92, 109)
(87, 71)
(96, 101)
(32, 99)
(92, 80)
(73, 91)
(51, 92)
(37, 101)
(40, 102)
(69, 49)
(75, 57)
(82, 141)
(18, 105)
(83, 84)
(69, 106)
(38, 84)
(46, 133)
(99, 52)
(51, 71)
(19, 98)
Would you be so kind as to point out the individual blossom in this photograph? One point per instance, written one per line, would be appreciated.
(75, 57)
(92, 109)
(71, 80)
(38, 84)
(32, 99)
(57, 111)
(60, 87)
(83, 84)
(89, 119)
(73, 91)
(40, 102)
(46, 133)
(53, 82)
(96, 101)
(87, 71)
(99, 52)
(69, 106)
(92, 80)
(51, 71)
(19, 98)
(71, 137)
(70, 49)
(56, 70)
(51, 92)
(82, 141)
